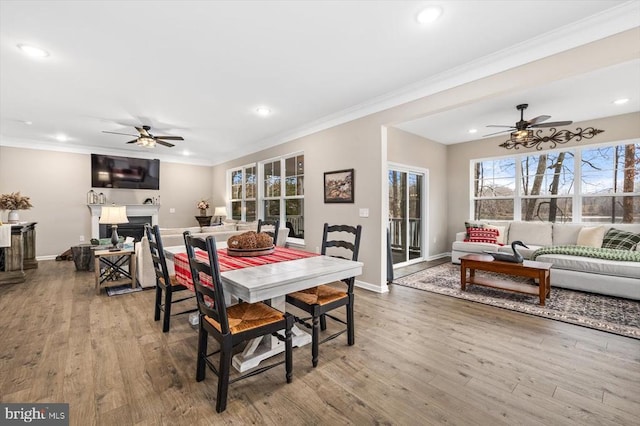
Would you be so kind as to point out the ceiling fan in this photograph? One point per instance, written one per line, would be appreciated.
(148, 140)
(521, 129)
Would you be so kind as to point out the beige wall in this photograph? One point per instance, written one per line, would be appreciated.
(622, 128)
(57, 183)
(354, 145)
(414, 151)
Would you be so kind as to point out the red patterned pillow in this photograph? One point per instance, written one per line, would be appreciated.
(482, 235)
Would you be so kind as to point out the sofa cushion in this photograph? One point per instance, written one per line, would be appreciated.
(482, 235)
(565, 234)
(178, 231)
(467, 247)
(531, 233)
(621, 240)
(591, 265)
(525, 252)
(220, 228)
(591, 236)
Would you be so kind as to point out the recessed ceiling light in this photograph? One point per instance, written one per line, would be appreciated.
(621, 101)
(473, 130)
(27, 122)
(429, 15)
(33, 51)
(61, 138)
(264, 111)
(185, 153)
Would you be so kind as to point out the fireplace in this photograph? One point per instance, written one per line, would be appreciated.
(138, 215)
(134, 229)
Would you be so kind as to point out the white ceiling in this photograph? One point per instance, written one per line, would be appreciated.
(200, 69)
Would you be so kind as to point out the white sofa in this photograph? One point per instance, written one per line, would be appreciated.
(172, 237)
(609, 277)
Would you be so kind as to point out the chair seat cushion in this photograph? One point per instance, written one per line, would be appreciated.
(173, 281)
(247, 316)
(320, 295)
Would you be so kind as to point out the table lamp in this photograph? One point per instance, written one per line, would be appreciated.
(114, 215)
(220, 212)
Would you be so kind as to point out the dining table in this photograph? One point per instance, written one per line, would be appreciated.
(267, 278)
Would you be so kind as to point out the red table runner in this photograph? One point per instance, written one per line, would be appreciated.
(228, 263)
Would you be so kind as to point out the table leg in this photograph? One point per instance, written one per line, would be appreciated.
(132, 270)
(542, 286)
(463, 276)
(96, 269)
(264, 347)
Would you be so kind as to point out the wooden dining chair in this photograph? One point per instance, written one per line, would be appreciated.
(276, 228)
(320, 300)
(165, 283)
(231, 325)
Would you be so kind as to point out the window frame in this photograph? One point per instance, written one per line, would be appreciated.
(576, 196)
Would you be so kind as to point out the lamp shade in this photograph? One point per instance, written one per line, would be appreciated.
(114, 215)
(220, 211)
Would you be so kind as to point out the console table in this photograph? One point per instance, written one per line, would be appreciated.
(204, 220)
(20, 255)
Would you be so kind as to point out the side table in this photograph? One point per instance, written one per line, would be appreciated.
(204, 220)
(110, 267)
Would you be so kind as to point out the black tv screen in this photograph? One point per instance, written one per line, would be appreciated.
(110, 171)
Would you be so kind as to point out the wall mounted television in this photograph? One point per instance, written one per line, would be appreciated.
(110, 171)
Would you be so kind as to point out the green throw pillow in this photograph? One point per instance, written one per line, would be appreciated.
(620, 240)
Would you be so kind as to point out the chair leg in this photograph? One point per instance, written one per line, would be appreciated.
(351, 335)
(288, 350)
(156, 313)
(201, 365)
(167, 310)
(223, 377)
(315, 341)
(323, 322)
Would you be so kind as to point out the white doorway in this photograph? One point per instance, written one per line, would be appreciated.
(407, 214)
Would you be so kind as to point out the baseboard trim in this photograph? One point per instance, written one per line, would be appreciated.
(372, 287)
(49, 257)
(439, 256)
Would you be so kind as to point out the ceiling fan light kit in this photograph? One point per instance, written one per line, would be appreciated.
(522, 135)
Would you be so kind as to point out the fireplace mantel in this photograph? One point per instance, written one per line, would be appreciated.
(132, 210)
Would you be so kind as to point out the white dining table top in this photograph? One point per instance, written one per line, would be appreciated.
(275, 280)
(278, 279)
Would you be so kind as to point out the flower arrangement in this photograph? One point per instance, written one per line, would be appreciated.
(14, 201)
(203, 205)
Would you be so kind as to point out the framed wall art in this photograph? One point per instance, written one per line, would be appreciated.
(339, 186)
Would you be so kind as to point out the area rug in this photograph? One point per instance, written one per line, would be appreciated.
(122, 289)
(611, 314)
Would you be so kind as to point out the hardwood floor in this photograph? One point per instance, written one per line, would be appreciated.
(419, 358)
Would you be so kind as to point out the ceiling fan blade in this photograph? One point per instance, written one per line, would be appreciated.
(116, 133)
(170, 138)
(553, 124)
(499, 125)
(497, 133)
(165, 143)
(143, 131)
(539, 119)
(133, 141)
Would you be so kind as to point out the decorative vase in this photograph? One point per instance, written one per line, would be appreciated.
(203, 212)
(13, 216)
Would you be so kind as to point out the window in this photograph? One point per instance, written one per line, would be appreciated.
(248, 190)
(494, 185)
(287, 206)
(243, 193)
(592, 184)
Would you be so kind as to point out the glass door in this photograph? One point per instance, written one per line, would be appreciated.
(406, 200)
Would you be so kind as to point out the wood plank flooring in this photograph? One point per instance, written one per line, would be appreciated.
(419, 358)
